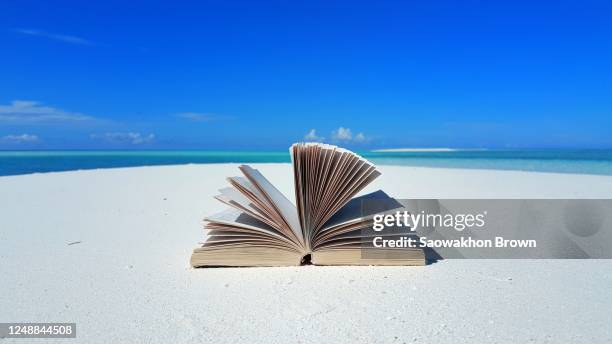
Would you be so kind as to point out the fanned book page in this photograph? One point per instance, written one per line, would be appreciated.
(328, 226)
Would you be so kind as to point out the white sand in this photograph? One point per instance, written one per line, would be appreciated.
(129, 280)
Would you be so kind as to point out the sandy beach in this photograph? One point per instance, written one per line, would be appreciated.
(109, 250)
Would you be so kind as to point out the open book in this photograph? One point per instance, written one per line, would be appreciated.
(326, 227)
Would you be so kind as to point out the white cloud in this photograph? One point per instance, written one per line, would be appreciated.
(360, 137)
(23, 138)
(27, 111)
(196, 116)
(346, 135)
(312, 136)
(202, 117)
(55, 36)
(342, 134)
(130, 137)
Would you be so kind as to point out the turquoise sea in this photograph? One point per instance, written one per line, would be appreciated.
(588, 161)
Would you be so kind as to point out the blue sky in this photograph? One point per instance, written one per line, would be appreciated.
(232, 75)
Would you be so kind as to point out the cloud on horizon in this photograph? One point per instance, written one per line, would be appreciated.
(312, 136)
(55, 36)
(32, 112)
(23, 138)
(124, 138)
(342, 134)
(346, 135)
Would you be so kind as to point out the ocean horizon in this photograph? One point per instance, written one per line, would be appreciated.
(580, 161)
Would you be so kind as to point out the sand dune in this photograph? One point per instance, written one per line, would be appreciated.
(109, 250)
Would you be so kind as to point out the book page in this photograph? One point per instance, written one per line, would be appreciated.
(285, 208)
